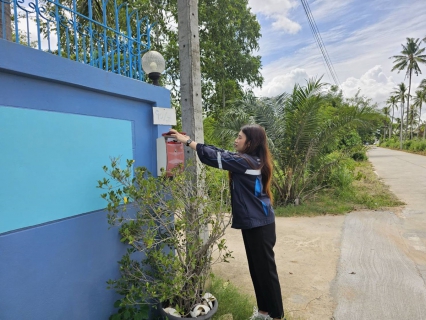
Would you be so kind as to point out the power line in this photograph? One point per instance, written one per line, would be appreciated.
(320, 43)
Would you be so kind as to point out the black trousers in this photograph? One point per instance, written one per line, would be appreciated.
(259, 243)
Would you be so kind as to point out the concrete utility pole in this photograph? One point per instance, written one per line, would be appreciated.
(5, 12)
(190, 74)
(190, 89)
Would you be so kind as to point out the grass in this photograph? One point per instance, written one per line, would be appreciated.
(365, 192)
(422, 153)
(232, 301)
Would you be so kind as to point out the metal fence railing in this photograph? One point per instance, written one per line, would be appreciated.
(106, 34)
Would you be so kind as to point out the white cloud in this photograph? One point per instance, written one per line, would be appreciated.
(359, 52)
(278, 12)
(324, 10)
(374, 84)
(283, 83)
(284, 23)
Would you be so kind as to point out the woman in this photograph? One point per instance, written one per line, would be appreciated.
(250, 182)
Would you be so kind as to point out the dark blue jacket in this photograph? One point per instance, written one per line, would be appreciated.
(251, 206)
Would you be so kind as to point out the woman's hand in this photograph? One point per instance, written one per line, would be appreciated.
(179, 137)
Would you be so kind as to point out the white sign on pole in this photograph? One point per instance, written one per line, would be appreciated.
(164, 116)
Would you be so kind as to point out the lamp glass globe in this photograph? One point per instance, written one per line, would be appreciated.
(152, 61)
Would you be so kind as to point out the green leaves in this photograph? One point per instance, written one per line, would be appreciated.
(303, 128)
(130, 313)
(163, 221)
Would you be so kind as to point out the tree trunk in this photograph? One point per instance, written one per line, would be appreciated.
(391, 124)
(408, 102)
(420, 118)
(401, 128)
(7, 32)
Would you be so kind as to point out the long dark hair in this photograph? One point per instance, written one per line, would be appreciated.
(257, 145)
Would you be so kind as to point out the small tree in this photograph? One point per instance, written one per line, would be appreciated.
(160, 219)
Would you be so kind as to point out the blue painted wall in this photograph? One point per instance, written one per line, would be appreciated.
(60, 121)
(56, 159)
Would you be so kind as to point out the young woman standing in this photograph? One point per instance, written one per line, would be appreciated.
(250, 182)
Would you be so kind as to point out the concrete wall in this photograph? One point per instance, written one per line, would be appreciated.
(60, 122)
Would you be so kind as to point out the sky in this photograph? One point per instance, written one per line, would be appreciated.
(360, 37)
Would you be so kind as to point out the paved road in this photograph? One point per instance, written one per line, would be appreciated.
(382, 268)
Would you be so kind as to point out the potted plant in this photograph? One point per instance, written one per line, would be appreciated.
(174, 228)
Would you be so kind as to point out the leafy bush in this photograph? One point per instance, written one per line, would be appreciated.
(416, 145)
(130, 312)
(173, 230)
(304, 128)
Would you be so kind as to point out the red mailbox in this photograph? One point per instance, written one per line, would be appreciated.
(170, 153)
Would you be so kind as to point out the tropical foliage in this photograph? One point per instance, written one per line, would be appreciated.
(311, 131)
(410, 60)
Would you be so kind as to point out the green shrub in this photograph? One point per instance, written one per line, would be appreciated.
(360, 156)
(406, 144)
(418, 145)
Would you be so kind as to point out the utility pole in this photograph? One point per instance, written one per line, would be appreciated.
(6, 32)
(190, 91)
(190, 75)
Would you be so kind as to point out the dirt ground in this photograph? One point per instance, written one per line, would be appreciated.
(307, 253)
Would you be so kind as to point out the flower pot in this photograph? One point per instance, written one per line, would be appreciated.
(207, 316)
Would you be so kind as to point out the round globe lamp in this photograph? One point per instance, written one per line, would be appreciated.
(153, 65)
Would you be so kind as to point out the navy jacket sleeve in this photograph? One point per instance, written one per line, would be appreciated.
(219, 158)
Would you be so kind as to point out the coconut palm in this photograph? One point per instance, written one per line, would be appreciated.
(386, 112)
(400, 92)
(424, 130)
(422, 85)
(409, 60)
(418, 100)
(392, 102)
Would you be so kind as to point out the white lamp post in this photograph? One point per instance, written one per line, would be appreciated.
(154, 65)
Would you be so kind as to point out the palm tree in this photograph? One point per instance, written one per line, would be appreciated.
(422, 85)
(392, 103)
(386, 112)
(419, 98)
(411, 56)
(302, 128)
(7, 21)
(401, 92)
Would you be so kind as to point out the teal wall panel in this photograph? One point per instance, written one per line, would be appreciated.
(50, 163)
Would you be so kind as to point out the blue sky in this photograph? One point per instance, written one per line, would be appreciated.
(360, 36)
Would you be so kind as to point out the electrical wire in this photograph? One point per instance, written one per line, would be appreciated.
(320, 43)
